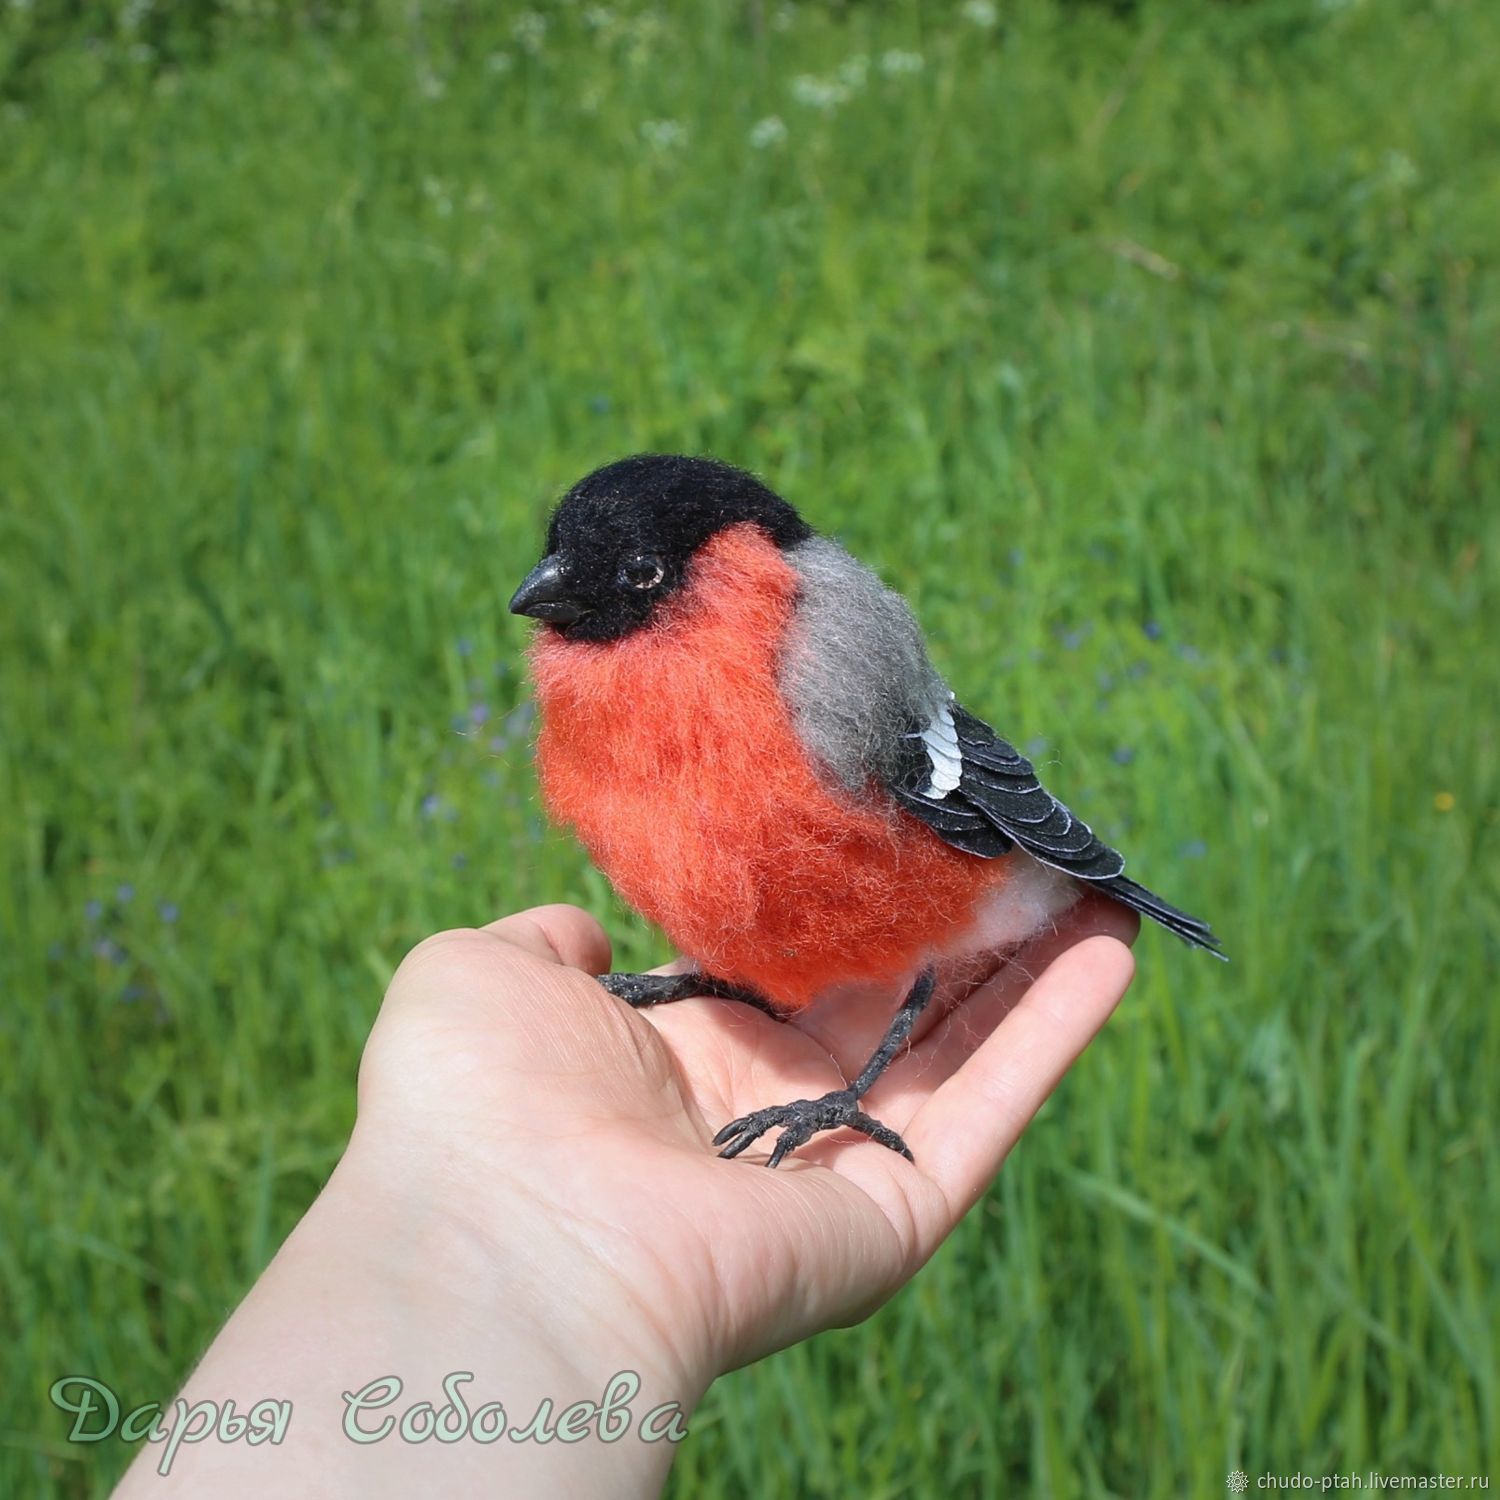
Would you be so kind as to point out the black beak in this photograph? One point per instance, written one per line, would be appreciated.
(544, 595)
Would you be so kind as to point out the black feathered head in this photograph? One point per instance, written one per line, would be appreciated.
(621, 540)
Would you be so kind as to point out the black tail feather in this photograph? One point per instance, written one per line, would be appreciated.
(1138, 898)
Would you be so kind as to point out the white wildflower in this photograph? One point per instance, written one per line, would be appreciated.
(664, 135)
(898, 64)
(853, 71)
(981, 12)
(784, 17)
(499, 62)
(1400, 170)
(530, 30)
(598, 18)
(768, 132)
(642, 35)
(819, 93)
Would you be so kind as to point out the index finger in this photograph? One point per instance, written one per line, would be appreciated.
(558, 934)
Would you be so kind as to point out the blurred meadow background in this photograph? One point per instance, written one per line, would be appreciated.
(1153, 350)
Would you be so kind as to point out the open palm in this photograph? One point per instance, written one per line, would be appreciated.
(498, 1043)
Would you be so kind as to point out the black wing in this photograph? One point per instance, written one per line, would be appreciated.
(982, 795)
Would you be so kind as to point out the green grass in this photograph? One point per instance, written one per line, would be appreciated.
(1187, 318)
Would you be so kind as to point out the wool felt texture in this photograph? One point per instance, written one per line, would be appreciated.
(741, 723)
(854, 668)
(617, 526)
(868, 704)
(674, 754)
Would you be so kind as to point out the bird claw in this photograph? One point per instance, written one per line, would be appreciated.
(800, 1121)
(640, 991)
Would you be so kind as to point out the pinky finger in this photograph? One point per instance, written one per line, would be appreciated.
(965, 1130)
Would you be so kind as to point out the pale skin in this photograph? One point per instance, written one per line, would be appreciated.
(530, 1195)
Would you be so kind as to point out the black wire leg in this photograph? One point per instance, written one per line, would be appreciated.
(642, 990)
(804, 1118)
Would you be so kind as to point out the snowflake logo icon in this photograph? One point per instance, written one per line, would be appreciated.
(1239, 1481)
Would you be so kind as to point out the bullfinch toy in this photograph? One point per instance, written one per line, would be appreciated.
(739, 721)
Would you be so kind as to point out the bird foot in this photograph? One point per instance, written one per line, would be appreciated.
(640, 991)
(801, 1120)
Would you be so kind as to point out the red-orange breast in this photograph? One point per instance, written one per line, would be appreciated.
(672, 753)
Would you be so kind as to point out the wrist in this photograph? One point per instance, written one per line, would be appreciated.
(415, 1352)
(575, 1302)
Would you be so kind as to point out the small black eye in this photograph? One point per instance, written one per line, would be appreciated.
(643, 572)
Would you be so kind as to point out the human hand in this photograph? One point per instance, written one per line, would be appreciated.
(530, 1204)
(505, 1094)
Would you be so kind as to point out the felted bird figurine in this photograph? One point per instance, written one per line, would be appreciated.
(740, 723)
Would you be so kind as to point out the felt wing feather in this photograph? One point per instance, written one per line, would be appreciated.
(872, 708)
